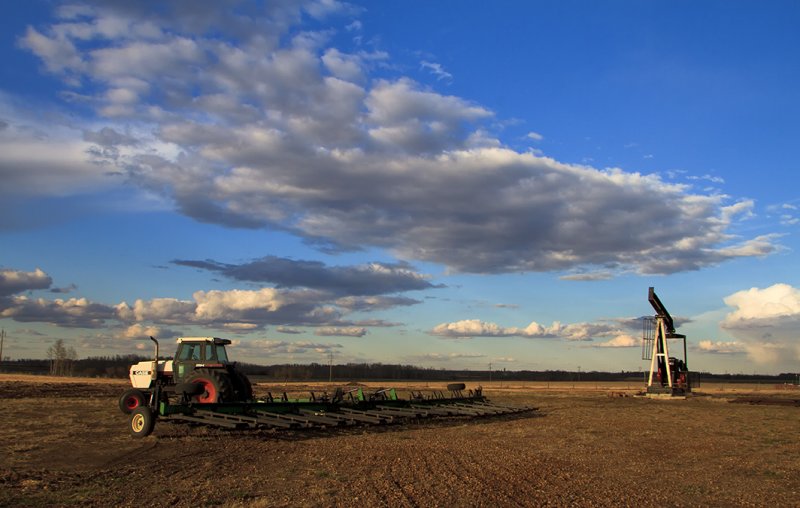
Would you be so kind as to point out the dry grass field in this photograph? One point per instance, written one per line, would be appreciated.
(63, 442)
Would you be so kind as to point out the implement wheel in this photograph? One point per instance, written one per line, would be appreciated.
(130, 400)
(142, 422)
(216, 386)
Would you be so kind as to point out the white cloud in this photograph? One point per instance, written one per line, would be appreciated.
(720, 347)
(264, 348)
(339, 331)
(765, 322)
(437, 70)
(469, 328)
(138, 331)
(347, 67)
(620, 341)
(59, 54)
(779, 300)
(535, 136)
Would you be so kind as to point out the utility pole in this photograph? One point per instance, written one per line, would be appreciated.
(2, 339)
(330, 367)
(490, 372)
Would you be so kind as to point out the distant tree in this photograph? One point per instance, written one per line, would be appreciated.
(61, 358)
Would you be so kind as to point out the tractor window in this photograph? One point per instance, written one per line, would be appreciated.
(189, 352)
(221, 354)
(210, 355)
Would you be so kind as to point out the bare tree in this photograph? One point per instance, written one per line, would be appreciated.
(61, 358)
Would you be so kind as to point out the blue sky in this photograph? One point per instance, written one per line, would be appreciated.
(446, 184)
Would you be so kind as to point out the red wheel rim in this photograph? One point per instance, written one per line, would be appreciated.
(210, 394)
(132, 402)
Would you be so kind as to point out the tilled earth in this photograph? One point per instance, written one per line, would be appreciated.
(66, 443)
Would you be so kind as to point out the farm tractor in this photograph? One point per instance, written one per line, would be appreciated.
(200, 371)
(201, 386)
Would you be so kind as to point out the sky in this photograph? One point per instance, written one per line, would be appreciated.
(450, 184)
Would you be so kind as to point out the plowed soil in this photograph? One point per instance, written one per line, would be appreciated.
(64, 442)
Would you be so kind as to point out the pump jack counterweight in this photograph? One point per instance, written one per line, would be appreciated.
(668, 375)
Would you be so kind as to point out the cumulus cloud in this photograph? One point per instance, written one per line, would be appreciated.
(73, 313)
(720, 347)
(620, 341)
(16, 281)
(137, 331)
(338, 331)
(764, 323)
(263, 348)
(236, 310)
(469, 328)
(618, 330)
(259, 124)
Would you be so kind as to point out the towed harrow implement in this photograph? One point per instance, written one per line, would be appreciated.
(382, 407)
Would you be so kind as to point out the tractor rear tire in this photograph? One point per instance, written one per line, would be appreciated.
(131, 400)
(142, 422)
(217, 386)
(243, 387)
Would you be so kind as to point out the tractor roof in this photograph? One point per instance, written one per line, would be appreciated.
(215, 340)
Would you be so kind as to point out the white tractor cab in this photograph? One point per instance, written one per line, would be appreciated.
(200, 371)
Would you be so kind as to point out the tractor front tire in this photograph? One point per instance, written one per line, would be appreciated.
(216, 386)
(131, 400)
(142, 422)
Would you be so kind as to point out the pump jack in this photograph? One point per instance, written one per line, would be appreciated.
(668, 375)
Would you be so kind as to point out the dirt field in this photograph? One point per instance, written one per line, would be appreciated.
(64, 442)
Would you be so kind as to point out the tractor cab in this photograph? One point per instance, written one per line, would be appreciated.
(199, 352)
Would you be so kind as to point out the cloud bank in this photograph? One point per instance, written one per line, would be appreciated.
(616, 330)
(370, 279)
(243, 117)
(236, 310)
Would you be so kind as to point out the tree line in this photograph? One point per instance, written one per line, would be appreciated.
(61, 361)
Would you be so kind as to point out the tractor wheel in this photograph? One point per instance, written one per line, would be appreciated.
(243, 387)
(189, 389)
(142, 422)
(216, 386)
(130, 400)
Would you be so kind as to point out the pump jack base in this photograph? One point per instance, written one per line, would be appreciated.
(665, 396)
(658, 392)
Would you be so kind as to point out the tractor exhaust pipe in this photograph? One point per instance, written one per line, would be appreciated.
(156, 357)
